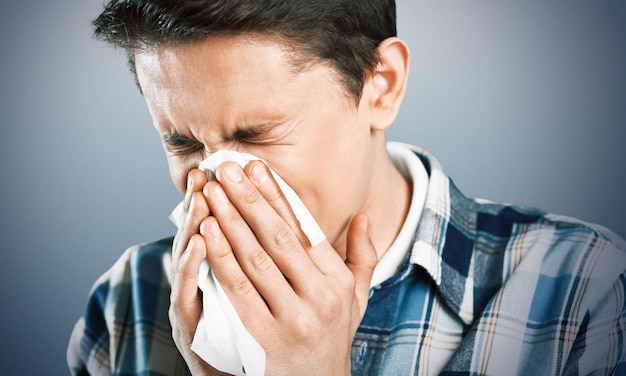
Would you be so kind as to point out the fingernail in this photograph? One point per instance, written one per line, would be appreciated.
(258, 174)
(234, 174)
(214, 229)
(220, 194)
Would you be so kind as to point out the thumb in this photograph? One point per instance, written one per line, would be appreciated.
(361, 258)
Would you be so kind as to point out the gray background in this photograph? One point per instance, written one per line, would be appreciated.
(520, 102)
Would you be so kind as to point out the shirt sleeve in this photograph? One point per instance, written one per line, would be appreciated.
(590, 333)
(125, 328)
(599, 347)
(88, 350)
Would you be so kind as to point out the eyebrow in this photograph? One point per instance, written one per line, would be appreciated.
(248, 130)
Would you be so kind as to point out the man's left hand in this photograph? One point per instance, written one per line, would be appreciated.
(302, 304)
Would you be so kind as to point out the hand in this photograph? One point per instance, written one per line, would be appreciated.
(302, 304)
(188, 252)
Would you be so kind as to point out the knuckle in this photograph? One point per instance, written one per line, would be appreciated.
(306, 330)
(332, 303)
(174, 302)
(194, 204)
(283, 237)
(250, 197)
(334, 298)
(180, 267)
(303, 326)
(171, 314)
(221, 255)
(274, 194)
(177, 246)
(347, 283)
(230, 217)
(260, 261)
(241, 285)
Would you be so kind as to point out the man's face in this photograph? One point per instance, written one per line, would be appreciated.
(243, 93)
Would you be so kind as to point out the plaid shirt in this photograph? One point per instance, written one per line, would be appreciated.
(487, 289)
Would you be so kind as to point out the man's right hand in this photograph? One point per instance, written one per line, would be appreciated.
(188, 252)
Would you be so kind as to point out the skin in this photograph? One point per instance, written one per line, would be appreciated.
(243, 93)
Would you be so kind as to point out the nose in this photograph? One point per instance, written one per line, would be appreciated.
(221, 154)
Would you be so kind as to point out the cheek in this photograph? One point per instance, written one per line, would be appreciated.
(179, 169)
(323, 184)
(178, 178)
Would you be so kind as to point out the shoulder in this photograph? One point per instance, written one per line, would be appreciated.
(583, 262)
(547, 251)
(141, 272)
(143, 261)
(567, 246)
(572, 276)
(126, 312)
(554, 285)
(548, 260)
(527, 239)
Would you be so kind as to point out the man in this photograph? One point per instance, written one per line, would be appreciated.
(413, 277)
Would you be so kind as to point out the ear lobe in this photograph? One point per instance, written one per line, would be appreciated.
(388, 82)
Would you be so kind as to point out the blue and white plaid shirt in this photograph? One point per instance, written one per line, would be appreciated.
(487, 289)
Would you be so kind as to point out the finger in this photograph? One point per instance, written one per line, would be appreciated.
(262, 178)
(323, 256)
(196, 179)
(361, 258)
(198, 210)
(247, 206)
(246, 271)
(186, 305)
(185, 300)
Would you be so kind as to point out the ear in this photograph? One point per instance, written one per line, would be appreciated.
(384, 89)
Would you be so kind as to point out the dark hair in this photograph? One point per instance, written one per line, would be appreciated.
(345, 33)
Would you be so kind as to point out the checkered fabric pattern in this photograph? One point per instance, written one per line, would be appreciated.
(487, 289)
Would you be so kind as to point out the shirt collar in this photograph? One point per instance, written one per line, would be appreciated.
(438, 248)
(413, 171)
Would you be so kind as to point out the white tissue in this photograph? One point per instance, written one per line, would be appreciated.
(221, 339)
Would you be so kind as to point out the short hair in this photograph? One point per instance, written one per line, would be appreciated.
(345, 33)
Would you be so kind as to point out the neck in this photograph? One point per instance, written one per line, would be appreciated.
(390, 206)
(387, 204)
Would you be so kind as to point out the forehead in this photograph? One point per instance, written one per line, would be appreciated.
(214, 74)
(246, 59)
(228, 57)
(223, 79)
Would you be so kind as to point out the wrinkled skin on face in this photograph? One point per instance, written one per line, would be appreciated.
(243, 93)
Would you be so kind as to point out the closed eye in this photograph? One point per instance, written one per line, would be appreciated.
(246, 134)
(253, 132)
(176, 143)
